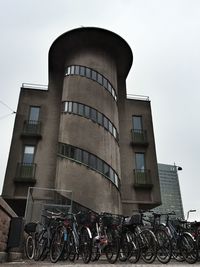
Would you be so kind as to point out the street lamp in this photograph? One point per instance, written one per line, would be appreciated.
(189, 213)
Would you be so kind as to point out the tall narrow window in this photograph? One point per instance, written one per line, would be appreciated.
(28, 155)
(137, 123)
(140, 161)
(34, 114)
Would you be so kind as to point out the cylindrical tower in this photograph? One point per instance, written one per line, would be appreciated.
(84, 68)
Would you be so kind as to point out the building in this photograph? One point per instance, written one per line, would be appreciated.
(170, 190)
(82, 133)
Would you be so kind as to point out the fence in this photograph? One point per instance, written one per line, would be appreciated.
(40, 199)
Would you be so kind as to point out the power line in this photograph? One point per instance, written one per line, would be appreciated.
(4, 104)
(7, 115)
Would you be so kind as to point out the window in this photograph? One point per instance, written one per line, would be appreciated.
(70, 107)
(137, 123)
(99, 78)
(140, 161)
(105, 83)
(92, 161)
(110, 127)
(94, 115)
(105, 122)
(82, 156)
(91, 74)
(34, 114)
(66, 106)
(87, 112)
(81, 109)
(94, 75)
(72, 70)
(100, 165)
(106, 169)
(100, 118)
(28, 155)
(82, 71)
(88, 73)
(109, 88)
(75, 108)
(78, 154)
(77, 70)
(85, 157)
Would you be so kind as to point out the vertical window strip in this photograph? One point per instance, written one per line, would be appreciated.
(90, 160)
(93, 75)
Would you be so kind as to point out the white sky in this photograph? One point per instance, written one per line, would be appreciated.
(164, 36)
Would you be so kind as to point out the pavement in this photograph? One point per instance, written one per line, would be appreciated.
(100, 263)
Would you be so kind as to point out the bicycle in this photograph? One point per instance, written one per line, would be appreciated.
(106, 237)
(183, 243)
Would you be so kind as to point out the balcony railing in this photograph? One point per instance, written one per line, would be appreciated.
(25, 172)
(142, 179)
(32, 128)
(139, 137)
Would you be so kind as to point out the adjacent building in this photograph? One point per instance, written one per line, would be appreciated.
(82, 133)
(170, 190)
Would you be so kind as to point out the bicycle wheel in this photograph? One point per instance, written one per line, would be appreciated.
(176, 252)
(164, 249)
(95, 254)
(85, 247)
(113, 247)
(188, 248)
(30, 247)
(72, 247)
(124, 246)
(198, 246)
(134, 253)
(57, 244)
(148, 245)
(40, 244)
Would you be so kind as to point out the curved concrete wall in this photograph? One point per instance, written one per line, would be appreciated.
(100, 51)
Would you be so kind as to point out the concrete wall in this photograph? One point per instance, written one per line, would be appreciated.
(5, 217)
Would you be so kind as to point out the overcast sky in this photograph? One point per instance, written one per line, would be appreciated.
(164, 36)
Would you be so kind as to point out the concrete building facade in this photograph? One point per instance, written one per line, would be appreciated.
(82, 133)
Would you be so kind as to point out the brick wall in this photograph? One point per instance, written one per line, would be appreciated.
(6, 213)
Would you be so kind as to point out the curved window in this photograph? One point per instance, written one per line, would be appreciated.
(93, 75)
(90, 160)
(90, 113)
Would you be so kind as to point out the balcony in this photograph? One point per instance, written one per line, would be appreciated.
(142, 179)
(32, 128)
(139, 137)
(25, 173)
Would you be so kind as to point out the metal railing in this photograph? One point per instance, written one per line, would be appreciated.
(35, 86)
(32, 127)
(25, 171)
(142, 178)
(139, 137)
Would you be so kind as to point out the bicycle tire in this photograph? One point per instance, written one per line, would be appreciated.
(134, 254)
(188, 248)
(112, 249)
(176, 252)
(124, 246)
(148, 245)
(40, 244)
(164, 249)
(29, 247)
(57, 244)
(85, 248)
(72, 247)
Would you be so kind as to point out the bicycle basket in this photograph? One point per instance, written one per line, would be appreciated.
(86, 218)
(112, 220)
(136, 219)
(30, 227)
